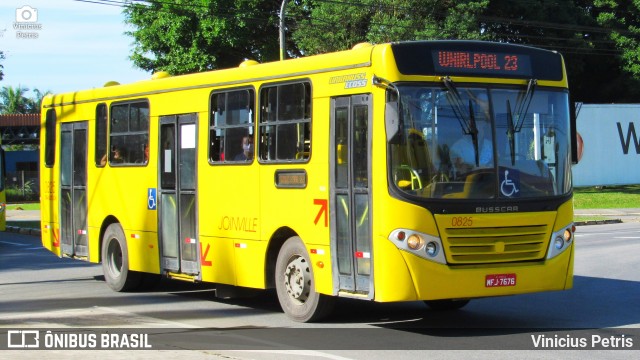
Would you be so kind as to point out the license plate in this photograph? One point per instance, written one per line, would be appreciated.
(497, 280)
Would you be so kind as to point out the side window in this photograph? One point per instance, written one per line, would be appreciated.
(231, 127)
(129, 133)
(50, 138)
(101, 135)
(285, 122)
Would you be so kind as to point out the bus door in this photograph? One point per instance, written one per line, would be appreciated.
(350, 204)
(177, 200)
(73, 189)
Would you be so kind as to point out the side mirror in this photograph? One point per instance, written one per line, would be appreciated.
(391, 118)
(574, 109)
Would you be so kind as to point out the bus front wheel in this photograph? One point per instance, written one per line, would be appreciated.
(115, 260)
(295, 286)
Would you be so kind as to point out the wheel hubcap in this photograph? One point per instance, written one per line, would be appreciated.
(297, 279)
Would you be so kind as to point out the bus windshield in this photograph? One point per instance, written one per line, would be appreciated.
(481, 142)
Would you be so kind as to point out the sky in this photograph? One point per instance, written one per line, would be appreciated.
(74, 46)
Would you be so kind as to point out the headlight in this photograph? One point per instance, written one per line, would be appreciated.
(560, 241)
(415, 242)
(426, 246)
(432, 249)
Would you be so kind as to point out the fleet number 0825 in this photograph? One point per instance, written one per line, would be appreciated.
(461, 221)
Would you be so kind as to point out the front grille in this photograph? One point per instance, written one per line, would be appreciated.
(495, 244)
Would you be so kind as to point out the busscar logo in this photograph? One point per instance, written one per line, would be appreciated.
(23, 339)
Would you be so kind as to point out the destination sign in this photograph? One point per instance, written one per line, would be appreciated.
(473, 62)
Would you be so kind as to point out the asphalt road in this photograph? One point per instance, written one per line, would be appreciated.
(41, 291)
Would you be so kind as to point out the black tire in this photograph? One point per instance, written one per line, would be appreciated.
(446, 305)
(295, 286)
(115, 261)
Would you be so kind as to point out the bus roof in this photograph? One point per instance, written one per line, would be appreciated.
(424, 58)
(358, 57)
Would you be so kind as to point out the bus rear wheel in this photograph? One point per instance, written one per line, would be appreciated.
(115, 261)
(295, 286)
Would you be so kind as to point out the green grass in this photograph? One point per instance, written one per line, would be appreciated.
(607, 197)
(28, 206)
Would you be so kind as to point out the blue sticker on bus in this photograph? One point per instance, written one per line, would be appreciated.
(151, 199)
(510, 182)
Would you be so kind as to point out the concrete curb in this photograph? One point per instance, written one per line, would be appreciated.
(24, 231)
(598, 222)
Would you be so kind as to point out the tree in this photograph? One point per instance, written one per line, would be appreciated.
(35, 103)
(323, 26)
(183, 36)
(571, 28)
(1, 66)
(622, 18)
(13, 100)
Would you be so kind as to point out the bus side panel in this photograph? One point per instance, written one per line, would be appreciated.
(393, 281)
(393, 276)
(49, 192)
(297, 210)
(143, 251)
(250, 261)
(217, 260)
(122, 193)
(314, 226)
(229, 224)
(304, 210)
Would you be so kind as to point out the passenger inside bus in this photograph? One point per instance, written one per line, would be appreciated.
(117, 156)
(247, 149)
(475, 149)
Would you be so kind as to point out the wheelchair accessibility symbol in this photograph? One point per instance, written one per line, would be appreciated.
(151, 199)
(509, 184)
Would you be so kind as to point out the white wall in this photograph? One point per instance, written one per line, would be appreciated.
(604, 161)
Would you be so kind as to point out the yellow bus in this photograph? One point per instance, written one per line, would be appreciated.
(3, 195)
(436, 171)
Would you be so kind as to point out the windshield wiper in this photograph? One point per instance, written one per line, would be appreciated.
(467, 121)
(454, 98)
(522, 106)
(511, 133)
(473, 130)
(521, 110)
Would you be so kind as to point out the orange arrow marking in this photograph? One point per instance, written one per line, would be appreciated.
(324, 209)
(203, 257)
